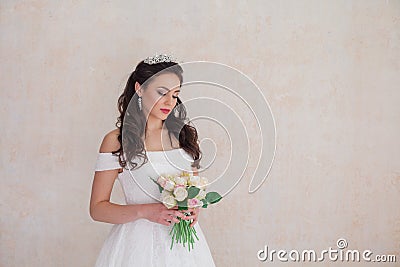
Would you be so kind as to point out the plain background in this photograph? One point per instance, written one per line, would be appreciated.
(329, 69)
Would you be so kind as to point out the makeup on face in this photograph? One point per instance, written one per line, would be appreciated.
(159, 99)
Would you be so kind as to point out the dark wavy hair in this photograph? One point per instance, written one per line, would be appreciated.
(177, 122)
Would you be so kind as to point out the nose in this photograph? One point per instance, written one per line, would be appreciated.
(169, 100)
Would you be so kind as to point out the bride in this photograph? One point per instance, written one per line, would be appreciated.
(159, 140)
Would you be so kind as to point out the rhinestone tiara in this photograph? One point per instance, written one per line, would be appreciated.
(159, 58)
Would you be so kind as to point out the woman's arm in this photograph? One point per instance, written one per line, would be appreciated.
(101, 209)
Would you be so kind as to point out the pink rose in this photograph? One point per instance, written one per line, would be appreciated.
(162, 181)
(194, 202)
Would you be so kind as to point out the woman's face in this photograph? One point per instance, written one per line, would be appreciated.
(160, 95)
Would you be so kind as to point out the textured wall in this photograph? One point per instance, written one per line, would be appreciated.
(330, 71)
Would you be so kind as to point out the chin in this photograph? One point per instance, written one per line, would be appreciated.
(163, 117)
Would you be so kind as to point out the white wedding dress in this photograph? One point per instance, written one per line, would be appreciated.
(142, 242)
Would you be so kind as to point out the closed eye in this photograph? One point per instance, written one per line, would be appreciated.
(166, 94)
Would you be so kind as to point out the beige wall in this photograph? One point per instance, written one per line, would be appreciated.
(330, 71)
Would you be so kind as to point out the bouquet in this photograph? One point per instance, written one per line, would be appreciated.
(186, 191)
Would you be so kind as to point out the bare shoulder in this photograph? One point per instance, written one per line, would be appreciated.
(110, 142)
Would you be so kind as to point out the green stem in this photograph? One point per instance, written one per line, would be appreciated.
(183, 233)
(194, 231)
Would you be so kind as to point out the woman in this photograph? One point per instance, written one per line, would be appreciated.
(156, 140)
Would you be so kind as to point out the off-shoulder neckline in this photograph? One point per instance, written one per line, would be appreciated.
(154, 151)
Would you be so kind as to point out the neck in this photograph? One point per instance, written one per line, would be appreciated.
(154, 124)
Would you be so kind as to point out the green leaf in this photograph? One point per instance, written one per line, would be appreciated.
(213, 197)
(193, 191)
(205, 203)
(159, 186)
(182, 205)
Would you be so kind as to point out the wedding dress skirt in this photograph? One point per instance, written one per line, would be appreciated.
(142, 242)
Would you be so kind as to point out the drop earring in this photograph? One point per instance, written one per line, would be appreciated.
(140, 102)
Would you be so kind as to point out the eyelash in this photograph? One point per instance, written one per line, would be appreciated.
(165, 94)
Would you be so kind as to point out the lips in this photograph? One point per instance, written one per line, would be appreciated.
(165, 110)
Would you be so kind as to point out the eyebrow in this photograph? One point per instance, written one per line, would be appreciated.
(163, 87)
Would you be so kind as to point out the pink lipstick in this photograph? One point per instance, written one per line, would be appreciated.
(165, 110)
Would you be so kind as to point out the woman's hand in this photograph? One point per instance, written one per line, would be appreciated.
(194, 215)
(158, 213)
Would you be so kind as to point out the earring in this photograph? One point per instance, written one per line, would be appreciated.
(140, 102)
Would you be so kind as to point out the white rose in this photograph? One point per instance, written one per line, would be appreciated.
(186, 178)
(169, 201)
(165, 193)
(169, 185)
(194, 180)
(180, 180)
(180, 193)
(201, 195)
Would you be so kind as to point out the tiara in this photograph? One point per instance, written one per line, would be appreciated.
(159, 58)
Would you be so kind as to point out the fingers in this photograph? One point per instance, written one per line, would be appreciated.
(190, 210)
(175, 220)
(166, 221)
(194, 216)
(194, 222)
(169, 221)
(169, 216)
(193, 211)
(173, 216)
(179, 214)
